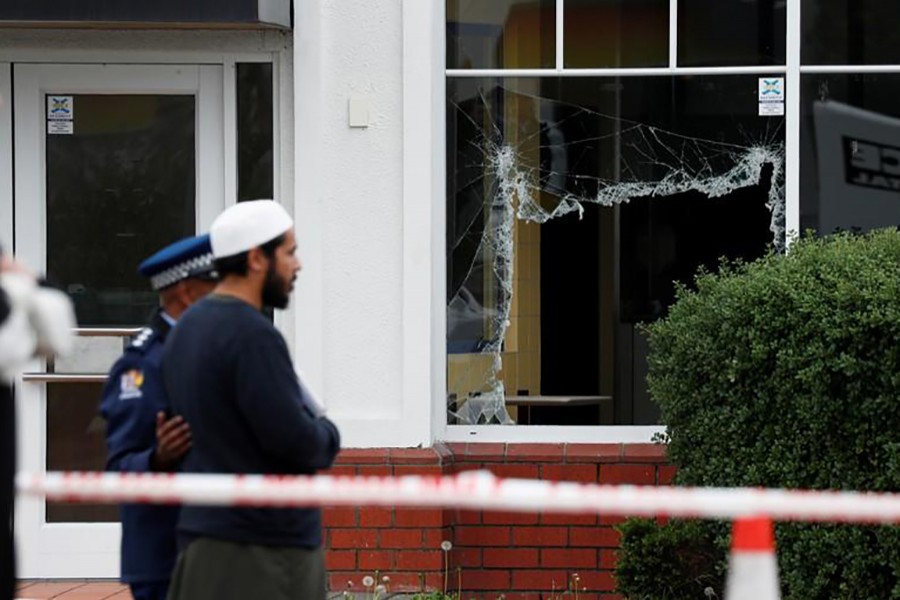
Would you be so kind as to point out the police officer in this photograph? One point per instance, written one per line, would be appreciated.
(140, 436)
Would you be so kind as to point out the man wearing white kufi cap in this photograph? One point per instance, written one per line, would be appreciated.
(228, 372)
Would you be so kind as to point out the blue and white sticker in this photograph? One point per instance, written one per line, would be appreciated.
(60, 127)
(60, 108)
(771, 89)
(771, 96)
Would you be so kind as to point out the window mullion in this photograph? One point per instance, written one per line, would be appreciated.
(673, 34)
(792, 115)
(560, 34)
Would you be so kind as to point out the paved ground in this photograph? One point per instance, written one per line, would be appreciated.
(93, 590)
(72, 590)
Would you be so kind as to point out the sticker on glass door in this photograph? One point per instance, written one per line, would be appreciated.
(60, 115)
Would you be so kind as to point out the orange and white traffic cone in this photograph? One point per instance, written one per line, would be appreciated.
(752, 567)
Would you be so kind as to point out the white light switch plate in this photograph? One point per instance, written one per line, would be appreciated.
(359, 112)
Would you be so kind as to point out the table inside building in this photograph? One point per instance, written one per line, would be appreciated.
(562, 409)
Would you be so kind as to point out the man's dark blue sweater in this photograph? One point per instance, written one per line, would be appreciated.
(228, 372)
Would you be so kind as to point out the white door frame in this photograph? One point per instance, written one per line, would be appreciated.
(89, 549)
(6, 179)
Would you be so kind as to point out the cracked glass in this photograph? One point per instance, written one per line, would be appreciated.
(849, 152)
(573, 206)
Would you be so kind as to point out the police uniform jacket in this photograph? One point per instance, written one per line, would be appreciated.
(131, 399)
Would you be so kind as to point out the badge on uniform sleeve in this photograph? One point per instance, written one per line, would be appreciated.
(130, 384)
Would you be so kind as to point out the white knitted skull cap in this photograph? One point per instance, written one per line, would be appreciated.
(247, 225)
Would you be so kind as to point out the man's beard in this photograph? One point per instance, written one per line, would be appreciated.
(275, 290)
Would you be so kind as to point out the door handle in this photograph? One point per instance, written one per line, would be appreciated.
(51, 377)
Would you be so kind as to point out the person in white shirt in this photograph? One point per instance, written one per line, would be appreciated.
(34, 320)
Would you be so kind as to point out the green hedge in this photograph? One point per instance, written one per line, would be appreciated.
(784, 372)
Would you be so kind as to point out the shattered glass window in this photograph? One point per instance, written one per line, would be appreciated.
(496, 34)
(850, 152)
(850, 32)
(616, 33)
(731, 32)
(573, 205)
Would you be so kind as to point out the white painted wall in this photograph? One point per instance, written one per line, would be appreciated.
(363, 312)
(366, 201)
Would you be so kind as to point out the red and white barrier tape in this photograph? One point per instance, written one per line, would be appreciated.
(470, 490)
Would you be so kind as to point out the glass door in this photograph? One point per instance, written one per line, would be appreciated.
(112, 162)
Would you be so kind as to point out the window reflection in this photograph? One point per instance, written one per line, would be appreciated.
(76, 441)
(850, 152)
(119, 188)
(255, 131)
(850, 32)
(731, 32)
(573, 205)
(616, 33)
(491, 34)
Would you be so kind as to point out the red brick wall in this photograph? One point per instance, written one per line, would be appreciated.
(522, 556)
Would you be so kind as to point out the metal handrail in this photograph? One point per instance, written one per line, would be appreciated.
(64, 377)
(51, 377)
(106, 332)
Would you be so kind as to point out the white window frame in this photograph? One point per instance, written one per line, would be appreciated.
(594, 434)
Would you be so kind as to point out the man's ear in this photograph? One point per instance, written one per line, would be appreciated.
(257, 260)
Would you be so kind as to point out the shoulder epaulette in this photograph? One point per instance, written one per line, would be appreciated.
(142, 341)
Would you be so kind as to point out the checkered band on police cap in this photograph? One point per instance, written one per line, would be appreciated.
(200, 265)
(186, 258)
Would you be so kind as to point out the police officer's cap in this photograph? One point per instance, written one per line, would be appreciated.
(247, 225)
(188, 258)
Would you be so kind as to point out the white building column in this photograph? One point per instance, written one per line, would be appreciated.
(366, 194)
